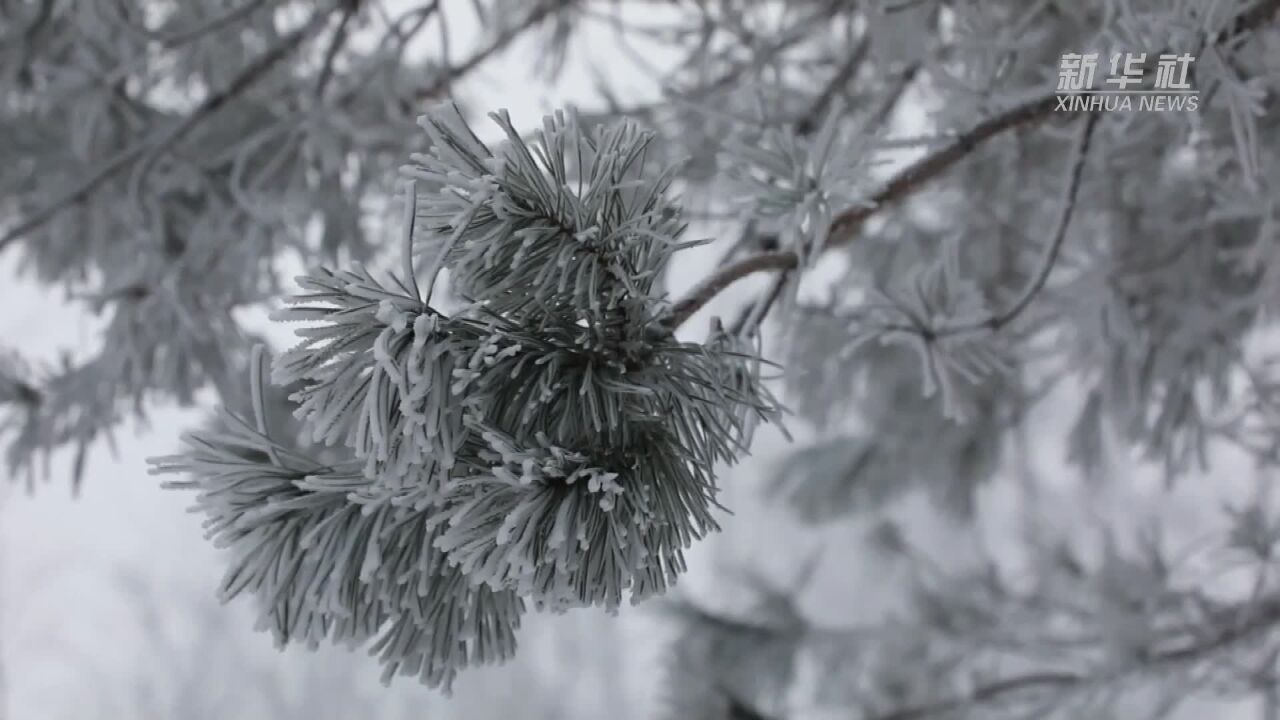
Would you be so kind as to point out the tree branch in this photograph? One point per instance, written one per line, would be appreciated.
(845, 225)
(986, 693)
(335, 45)
(446, 77)
(211, 104)
(86, 188)
(844, 228)
(813, 116)
(910, 179)
(712, 286)
(1249, 622)
(212, 25)
(1071, 190)
(241, 82)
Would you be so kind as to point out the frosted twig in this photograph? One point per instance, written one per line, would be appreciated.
(1070, 190)
(715, 284)
(844, 227)
(900, 186)
(445, 77)
(154, 149)
(247, 77)
(335, 45)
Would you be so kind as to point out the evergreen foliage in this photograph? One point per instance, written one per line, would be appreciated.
(550, 441)
(519, 415)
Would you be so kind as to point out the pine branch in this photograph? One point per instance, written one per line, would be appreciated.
(985, 694)
(86, 188)
(1071, 190)
(1250, 19)
(445, 78)
(901, 186)
(847, 70)
(1256, 620)
(213, 25)
(153, 150)
(525, 442)
(335, 45)
(844, 227)
(714, 285)
(758, 310)
(243, 81)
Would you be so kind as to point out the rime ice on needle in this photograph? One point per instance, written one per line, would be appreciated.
(549, 442)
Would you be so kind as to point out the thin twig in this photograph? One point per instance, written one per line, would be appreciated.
(213, 25)
(755, 313)
(247, 77)
(986, 693)
(113, 166)
(1244, 625)
(896, 91)
(900, 186)
(844, 228)
(446, 77)
(79, 193)
(335, 45)
(1071, 189)
(1060, 232)
(680, 312)
(812, 118)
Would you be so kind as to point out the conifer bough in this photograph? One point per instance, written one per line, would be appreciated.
(550, 442)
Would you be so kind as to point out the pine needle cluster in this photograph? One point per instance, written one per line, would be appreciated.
(549, 443)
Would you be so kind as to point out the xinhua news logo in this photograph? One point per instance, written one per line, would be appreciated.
(1125, 86)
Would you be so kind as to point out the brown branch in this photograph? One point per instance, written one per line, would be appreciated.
(896, 91)
(985, 693)
(1071, 190)
(213, 25)
(813, 117)
(447, 76)
(845, 225)
(1248, 623)
(241, 82)
(86, 188)
(335, 45)
(211, 104)
(844, 228)
(712, 286)
(1060, 233)
(757, 311)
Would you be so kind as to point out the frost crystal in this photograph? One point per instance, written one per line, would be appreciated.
(552, 441)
